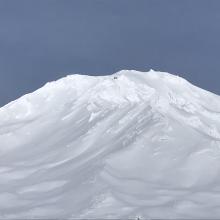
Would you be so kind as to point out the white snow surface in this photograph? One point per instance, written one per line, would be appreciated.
(130, 144)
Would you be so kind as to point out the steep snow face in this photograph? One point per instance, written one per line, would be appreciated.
(130, 144)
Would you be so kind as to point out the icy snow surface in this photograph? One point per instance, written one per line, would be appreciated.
(126, 145)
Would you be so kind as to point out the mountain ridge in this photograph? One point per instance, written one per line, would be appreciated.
(119, 146)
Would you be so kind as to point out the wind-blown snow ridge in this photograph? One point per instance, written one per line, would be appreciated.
(125, 145)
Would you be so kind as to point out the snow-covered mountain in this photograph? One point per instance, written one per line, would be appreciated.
(131, 144)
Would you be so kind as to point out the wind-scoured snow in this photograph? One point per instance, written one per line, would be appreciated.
(131, 144)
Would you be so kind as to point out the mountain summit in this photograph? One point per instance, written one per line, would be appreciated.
(130, 144)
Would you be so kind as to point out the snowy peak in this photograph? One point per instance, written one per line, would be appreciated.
(129, 144)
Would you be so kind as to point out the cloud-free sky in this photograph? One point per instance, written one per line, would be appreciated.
(43, 40)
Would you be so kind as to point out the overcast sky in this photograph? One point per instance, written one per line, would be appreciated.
(43, 40)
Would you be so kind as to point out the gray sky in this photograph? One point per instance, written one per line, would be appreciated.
(43, 40)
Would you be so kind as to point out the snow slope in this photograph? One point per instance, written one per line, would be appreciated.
(144, 144)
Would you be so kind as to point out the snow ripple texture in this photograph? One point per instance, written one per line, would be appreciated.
(130, 144)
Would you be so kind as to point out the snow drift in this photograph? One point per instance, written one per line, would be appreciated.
(120, 146)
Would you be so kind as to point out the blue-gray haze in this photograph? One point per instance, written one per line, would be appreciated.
(43, 40)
